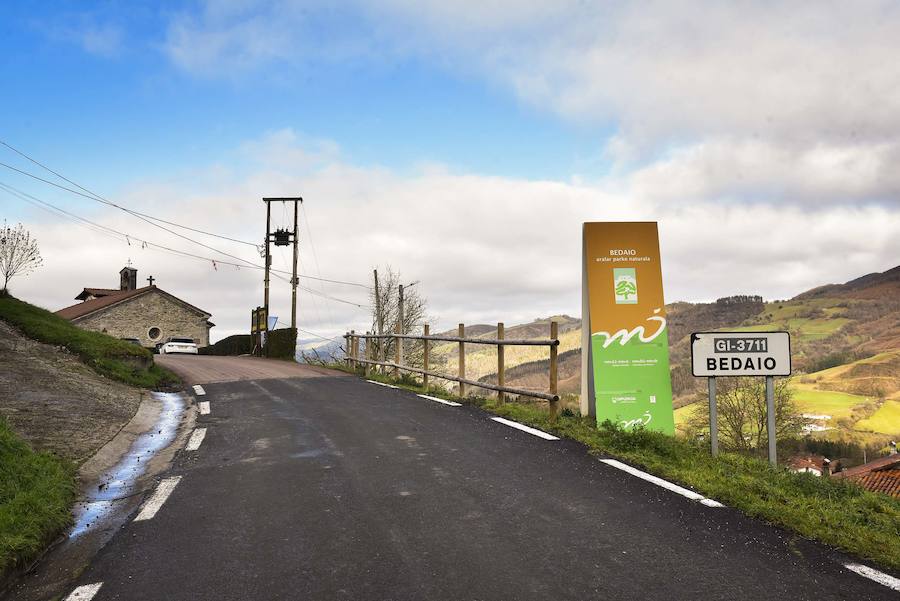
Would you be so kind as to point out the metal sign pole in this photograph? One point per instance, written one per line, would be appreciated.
(713, 418)
(770, 418)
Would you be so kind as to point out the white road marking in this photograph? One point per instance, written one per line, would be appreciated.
(525, 428)
(196, 438)
(199, 390)
(84, 593)
(873, 574)
(156, 500)
(693, 496)
(204, 407)
(437, 400)
(382, 384)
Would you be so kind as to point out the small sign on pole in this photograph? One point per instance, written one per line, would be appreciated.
(732, 354)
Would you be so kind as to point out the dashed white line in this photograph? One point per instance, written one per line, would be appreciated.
(198, 390)
(196, 438)
(693, 496)
(156, 500)
(204, 407)
(84, 593)
(525, 428)
(873, 574)
(382, 384)
(437, 400)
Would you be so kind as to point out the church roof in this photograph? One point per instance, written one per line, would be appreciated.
(97, 292)
(114, 297)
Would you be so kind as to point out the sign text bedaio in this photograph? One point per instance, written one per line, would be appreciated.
(720, 354)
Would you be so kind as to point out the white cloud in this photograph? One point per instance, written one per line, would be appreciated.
(485, 249)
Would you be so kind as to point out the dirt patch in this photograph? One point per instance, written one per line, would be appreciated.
(57, 403)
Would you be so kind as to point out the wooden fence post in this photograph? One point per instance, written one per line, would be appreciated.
(425, 359)
(352, 349)
(397, 352)
(554, 365)
(367, 353)
(501, 364)
(347, 349)
(462, 361)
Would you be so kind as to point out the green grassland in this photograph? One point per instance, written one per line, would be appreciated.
(884, 421)
(36, 492)
(826, 402)
(108, 356)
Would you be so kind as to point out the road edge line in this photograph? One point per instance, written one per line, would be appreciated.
(204, 407)
(437, 400)
(524, 428)
(874, 575)
(152, 505)
(196, 439)
(84, 592)
(382, 384)
(670, 486)
(198, 390)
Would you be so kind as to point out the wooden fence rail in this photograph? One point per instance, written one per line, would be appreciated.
(354, 360)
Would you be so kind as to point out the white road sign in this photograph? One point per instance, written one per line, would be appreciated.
(720, 354)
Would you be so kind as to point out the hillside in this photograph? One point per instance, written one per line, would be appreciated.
(845, 341)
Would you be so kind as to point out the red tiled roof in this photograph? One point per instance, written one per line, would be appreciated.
(885, 481)
(881, 475)
(82, 309)
(87, 307)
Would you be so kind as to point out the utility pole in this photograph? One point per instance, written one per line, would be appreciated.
(400, 325)
(379, 322)
(283, 237)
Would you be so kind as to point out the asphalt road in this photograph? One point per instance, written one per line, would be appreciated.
(329, 487)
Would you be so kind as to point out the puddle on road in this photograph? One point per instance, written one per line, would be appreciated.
(119, 482)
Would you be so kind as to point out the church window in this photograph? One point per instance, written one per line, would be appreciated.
(154, 333)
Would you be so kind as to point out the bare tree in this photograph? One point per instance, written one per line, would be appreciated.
(386, 315)
(741, 407)
(19, 254)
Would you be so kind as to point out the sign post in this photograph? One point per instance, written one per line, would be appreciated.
(732, 354)
(626, 349)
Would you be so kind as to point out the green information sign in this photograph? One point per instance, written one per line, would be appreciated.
(628, 332)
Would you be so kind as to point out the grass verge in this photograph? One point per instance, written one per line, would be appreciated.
(110, 357)
(36, 492)
(835, 512)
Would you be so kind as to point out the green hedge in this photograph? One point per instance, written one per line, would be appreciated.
(281, 344)
(239, 344)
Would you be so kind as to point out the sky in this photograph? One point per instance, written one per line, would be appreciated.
(461, 143)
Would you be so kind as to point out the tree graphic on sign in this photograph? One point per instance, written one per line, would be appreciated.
(625, 288)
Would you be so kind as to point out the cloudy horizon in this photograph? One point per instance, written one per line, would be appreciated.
(463, 146)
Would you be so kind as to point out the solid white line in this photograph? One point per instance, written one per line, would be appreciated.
(156, 500)
(873, 574)
(84, 593)
(204, 407)
(382, 384)
(437, 400)
(693, 496)
(199, 390)
(525, 428)
(196, 438)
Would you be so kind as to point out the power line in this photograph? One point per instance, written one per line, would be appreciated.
(128, 238)
(86, 193)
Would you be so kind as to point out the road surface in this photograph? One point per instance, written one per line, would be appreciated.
(310, 484)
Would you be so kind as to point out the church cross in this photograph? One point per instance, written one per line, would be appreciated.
(151, 279)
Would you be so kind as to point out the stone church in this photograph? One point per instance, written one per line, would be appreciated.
(149, 314)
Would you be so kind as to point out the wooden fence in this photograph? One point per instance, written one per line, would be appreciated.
(354, 360)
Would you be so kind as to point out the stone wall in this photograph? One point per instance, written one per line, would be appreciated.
(135, 317)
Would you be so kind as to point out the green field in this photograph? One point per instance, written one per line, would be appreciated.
(885, 421)
(827, 402)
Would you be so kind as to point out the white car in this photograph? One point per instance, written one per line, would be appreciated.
(178, 345)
